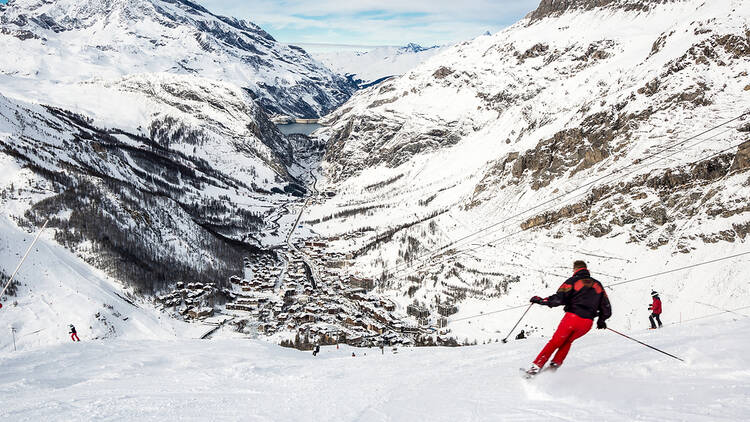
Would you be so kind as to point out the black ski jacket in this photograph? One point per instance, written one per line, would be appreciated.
(583, 296)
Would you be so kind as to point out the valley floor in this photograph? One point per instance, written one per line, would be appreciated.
(606, 377)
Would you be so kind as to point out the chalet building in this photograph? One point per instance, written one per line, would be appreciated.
(239, 307)
(417, 311)
(200, 312)
(409, 330)
(362, 283)
(446, 309)
(388, 305)
(442, 322)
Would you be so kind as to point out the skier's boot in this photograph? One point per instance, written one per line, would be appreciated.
(533, 370)
(553, 366)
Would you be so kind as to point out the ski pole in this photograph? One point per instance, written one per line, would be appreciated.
(23, 259)
(505, 340)
(650, 347)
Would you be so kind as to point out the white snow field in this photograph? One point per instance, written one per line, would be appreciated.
(370, 63)
(606, 378)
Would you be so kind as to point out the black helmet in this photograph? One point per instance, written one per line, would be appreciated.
(654, 293)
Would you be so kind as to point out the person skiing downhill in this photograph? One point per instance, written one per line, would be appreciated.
(73, 334)
(584, 299)
(655, 308)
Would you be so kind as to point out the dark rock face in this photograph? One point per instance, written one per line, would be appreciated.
(573, 150)
(742, 160)
(556, 7)
(442, 73)
(682, 192)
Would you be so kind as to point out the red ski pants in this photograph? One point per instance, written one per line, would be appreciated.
(571, 327)
(74, 337)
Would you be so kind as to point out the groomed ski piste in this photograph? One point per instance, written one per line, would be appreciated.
(606, 378)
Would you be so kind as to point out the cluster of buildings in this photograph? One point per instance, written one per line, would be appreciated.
(311, 292)
(306, 290)
(192, 300)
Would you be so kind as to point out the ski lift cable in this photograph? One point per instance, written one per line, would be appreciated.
(727, 311)
(674, 270)
(479, 246)
(31, 246)
(721, 309)
(631, 172)
(593, 182)
(586, 193)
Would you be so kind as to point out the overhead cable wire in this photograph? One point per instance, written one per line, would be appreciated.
(673, 270)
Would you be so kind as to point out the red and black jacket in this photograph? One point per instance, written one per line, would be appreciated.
(656, 306)
(583, 296)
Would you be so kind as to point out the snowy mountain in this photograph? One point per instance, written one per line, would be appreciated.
(367, 66)
(74, 41)
(608, 131)
(140, 130)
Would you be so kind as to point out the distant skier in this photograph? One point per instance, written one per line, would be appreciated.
(521, 335)
(73, 334)
(317, 350)
(655, 308)
(584, 298)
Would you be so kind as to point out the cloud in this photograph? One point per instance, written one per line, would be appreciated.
(376, 22)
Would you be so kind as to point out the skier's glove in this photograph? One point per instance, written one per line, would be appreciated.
(600, 324)
(536, 299)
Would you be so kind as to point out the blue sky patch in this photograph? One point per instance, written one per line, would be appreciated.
(385, 22)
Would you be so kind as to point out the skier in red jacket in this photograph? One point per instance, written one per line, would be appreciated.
(73, 333)
(655, 308)
(584, 299)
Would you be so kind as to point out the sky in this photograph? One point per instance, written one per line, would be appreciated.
(375, 22)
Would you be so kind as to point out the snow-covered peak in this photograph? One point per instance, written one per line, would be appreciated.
(367, 66)
(113, 38)
(415, 48)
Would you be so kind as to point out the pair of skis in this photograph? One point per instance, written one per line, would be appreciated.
(525, 374)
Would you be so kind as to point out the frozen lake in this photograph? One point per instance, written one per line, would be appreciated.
(303, 128)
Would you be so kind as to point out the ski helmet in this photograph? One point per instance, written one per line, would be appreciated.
(654, 293)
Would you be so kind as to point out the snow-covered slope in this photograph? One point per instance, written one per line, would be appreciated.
(605, 377)
(368, 65)
(140, 129)
(579, 132)
(56, 288)
(72, 41)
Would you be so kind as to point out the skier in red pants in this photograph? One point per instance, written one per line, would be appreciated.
(655, 308)
(73, 334)
(584, 299)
